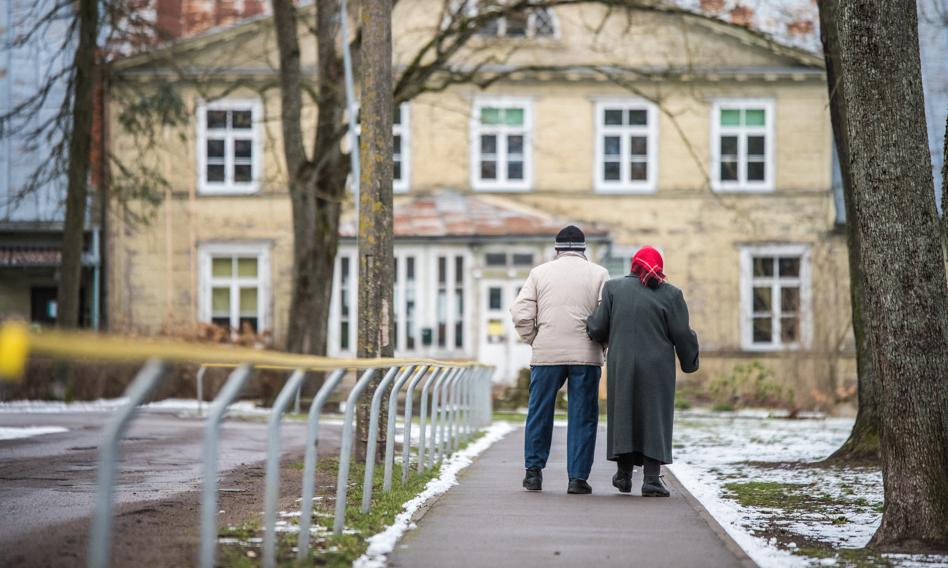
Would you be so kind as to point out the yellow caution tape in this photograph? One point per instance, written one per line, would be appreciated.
(17, 342)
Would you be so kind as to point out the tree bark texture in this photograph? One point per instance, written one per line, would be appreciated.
(900, 253)
(70, 276)
(863, 441)
(376, 257)
(317, 185)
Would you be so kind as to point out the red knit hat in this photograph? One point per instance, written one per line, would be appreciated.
(648, 265)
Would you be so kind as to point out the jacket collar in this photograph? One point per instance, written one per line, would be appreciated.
(561, 254)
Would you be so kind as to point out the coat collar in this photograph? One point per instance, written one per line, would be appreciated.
(561, 254)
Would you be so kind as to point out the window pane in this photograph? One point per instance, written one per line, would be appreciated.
(215, 172)
(491, 28)
(515, 145)
(730, 117)
(513, 116)
(220, 302)
(764, 266)
(495, 299)
(242, 148)
(495, 259)
(613, 117)
(241, 119)
(248, 325)
(215, 148)
(517, 24)
(789, 266)
(754, 117)
(612, 145)
(410, 269)
(523, 259)
(755, 145)
(762, 331)
(248, 302)
(729, 145)
(397, 115)
(397, 170)
(728, 170)
(222, 267)
(638, 117)
(489, 170)
(397, 144)
(488, 144)
(442, 269)
(638, 171)
(762, 298)
(755, 171)
(495, 331)
(247, 267)
(459, 270)
(242, 173)
(217, 119)
(344, 335)
(789, 330)
(638, 145)
(789, 300)
(515, 170)
(543, 22)
(611, 171)
(490, 115)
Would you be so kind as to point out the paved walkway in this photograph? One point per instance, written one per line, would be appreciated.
(488, 520)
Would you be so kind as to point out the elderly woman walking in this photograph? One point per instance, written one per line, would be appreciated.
(643, 321)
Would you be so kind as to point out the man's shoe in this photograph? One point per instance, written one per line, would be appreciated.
(654, 487)
(533, 481)
(579, 487)
(622, 481)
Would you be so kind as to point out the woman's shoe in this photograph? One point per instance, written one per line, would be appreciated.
(622, 481)
(654, 487)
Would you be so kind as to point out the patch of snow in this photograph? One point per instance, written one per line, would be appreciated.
(54, 407)
(382, 544)
(13, 433)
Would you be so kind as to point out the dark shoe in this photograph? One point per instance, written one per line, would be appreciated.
(533, 481)
(654, 487)
(622, 481)
(579, 487)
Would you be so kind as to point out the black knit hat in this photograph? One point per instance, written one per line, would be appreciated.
(570, 238)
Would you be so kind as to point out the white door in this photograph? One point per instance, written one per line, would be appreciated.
(499, 343)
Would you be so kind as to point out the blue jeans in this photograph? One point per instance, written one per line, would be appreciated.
(583, 416)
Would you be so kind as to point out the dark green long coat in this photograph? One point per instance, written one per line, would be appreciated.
(643, 328)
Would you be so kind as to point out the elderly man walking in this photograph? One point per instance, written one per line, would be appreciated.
(550, 314)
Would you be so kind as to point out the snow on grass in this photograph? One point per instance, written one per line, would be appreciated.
(783, 513)
(382, 544)
(54, 407)
(13, 433)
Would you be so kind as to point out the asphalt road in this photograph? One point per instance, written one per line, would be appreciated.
(489, 520)
(47, 483)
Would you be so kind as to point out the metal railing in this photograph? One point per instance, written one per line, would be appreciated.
(459, 405)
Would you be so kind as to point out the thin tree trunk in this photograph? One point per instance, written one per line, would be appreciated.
(898, 228)
(376, 258)
(70, 279)
(863, 442)
(944, 195)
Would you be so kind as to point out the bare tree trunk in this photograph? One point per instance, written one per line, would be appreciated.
(944, 195)
(316, 191)
(898, 228)
(376, 257)
(863, 442)
(70, 278)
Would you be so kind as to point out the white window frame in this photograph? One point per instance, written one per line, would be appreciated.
(476, 129)
(207, 251)
(747, 290)
(471, 10)
(770, 149)
(228, 186)
(404, 130)
(624, 184)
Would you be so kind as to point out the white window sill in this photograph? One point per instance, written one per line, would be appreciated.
(211, 190)
(742, 189)
(624, 189)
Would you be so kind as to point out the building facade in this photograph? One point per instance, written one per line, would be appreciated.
(705, 139)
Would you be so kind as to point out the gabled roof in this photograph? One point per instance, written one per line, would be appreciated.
(462, 215)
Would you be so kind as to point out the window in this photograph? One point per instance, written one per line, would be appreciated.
(235, 285)
(775, 297)
(405, 302)
(229, 146)
(618, 259)
(742, 145)
(345, 305)
(401, 147)
(500, 145)
(536, 23)
(503, 260)
(626, 146)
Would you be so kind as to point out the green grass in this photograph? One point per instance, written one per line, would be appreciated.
(331, 550)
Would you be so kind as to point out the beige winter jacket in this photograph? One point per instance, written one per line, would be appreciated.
(551, 310)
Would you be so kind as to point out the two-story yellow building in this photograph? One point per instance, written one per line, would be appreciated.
(705, 139)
